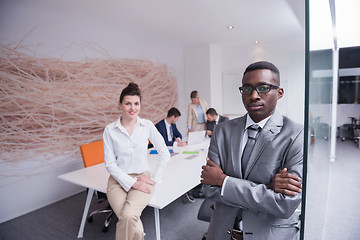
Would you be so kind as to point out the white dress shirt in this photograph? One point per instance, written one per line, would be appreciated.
(127, 154)
(217, 119)
(168, 126)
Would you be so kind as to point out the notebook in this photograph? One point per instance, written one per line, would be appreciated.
(196, 137)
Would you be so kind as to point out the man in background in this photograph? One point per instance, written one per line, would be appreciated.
(213, 118)
(167, 128)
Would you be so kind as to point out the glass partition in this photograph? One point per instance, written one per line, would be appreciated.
(318, 151)
(332, 112)
(319, 85)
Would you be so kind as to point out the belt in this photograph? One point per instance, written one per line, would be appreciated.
(236, 234)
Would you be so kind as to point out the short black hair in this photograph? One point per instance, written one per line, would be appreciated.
(194, 94)
(173, 112)
(211, 111)
(265, 65)
(132, 89)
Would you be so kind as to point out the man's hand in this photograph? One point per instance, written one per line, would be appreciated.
(285, 183)
(208, 132)
(180, 143)
(212, 174)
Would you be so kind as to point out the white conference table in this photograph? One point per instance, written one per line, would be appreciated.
(181, 175)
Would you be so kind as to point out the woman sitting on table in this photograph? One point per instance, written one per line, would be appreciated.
(130, 185)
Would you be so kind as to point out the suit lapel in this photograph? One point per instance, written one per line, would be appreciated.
(266, 135)
(237, 133)
(173, 132)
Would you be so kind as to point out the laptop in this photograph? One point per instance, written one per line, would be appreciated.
(196, 137)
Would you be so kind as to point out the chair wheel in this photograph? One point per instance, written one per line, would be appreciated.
(105, 229)
(187, 198)
(90, 219)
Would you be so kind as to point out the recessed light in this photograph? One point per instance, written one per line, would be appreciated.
(230, 27)
(256, 42)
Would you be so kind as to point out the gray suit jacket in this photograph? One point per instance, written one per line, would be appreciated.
(265, 214)
(211, 125)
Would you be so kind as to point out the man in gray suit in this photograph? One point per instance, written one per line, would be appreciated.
(243, 183)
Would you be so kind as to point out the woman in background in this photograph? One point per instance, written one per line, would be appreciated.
(130, 185)
(196, 118)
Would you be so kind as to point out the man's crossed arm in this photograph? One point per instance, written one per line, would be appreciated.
(283, 182)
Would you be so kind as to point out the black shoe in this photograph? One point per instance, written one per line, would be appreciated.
(204, 237)
(198, 194)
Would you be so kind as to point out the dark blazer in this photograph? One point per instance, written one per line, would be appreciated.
(211, 125)
(161, 127)
(265, 214)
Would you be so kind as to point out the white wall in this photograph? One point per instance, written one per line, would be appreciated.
(70, 36)
(203, 72)
(22, 194)
(207, 75)
(344, 112)
(288, 56)
(197, 71)
(216, 58)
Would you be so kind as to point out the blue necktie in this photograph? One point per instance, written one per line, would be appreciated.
(171, 133)
(253, 131)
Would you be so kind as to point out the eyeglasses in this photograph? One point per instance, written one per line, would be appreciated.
(260, 89)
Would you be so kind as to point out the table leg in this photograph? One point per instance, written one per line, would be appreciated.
(85, 213)
(157, 223)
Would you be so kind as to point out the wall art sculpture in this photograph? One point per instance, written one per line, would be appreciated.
(49, 107)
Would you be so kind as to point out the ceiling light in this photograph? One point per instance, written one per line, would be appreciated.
(256, 42)
(230, 27)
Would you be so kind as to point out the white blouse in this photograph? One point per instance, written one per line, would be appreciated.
(126, 154)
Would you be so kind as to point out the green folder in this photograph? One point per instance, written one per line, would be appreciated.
(190, 152)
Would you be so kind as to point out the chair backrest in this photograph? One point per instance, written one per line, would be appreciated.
(92, 153)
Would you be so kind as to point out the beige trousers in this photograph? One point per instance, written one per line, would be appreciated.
(198, 127)
(128, 207)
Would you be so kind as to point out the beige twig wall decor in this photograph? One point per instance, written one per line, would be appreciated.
(50, 107)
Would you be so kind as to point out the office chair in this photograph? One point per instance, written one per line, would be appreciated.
(204, 214)
(92, 154)
(321, 129)
(351, 131)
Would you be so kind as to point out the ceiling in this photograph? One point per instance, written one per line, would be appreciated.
(192, 22)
